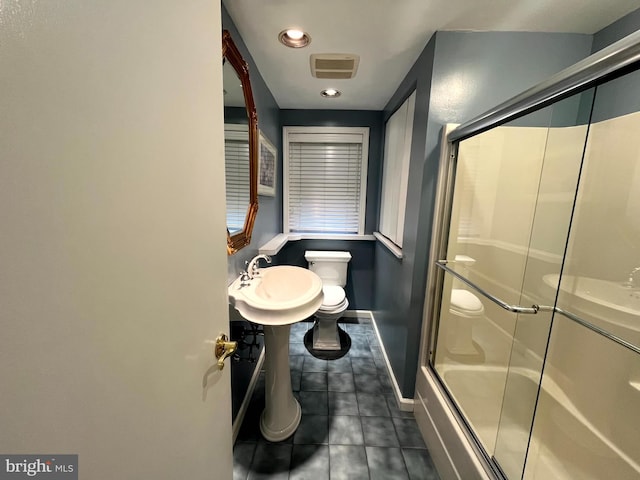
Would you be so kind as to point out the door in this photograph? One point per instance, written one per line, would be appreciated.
(112, 245)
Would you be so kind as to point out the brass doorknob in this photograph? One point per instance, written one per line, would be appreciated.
(224, 348)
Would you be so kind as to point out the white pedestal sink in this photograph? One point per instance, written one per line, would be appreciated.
(277, 297)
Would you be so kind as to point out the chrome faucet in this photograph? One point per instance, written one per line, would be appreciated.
(252, 268)
(631, 281)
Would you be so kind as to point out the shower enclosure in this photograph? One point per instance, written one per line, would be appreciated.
(535, 287)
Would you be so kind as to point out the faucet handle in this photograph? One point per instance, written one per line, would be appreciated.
(245, 279)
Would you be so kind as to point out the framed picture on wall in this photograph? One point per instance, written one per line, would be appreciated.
(267, 163)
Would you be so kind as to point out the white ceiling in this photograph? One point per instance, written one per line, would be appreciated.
(388, 35)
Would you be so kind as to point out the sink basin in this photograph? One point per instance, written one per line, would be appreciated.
(278, 295)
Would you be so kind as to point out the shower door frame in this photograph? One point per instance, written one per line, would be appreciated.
(443, 415)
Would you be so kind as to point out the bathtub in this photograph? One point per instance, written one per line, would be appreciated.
(565, 444)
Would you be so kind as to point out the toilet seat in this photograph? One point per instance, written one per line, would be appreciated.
(333, 296)
(465, 302)
(335, 300)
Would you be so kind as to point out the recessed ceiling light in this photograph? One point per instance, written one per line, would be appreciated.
(330, 93)
(294, 38)
(295, 34)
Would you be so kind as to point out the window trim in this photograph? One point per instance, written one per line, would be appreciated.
(338, 134)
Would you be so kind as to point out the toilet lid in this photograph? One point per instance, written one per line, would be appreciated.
(465, 301)
(333, 295)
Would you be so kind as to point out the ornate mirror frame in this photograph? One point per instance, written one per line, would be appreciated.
(231, 54)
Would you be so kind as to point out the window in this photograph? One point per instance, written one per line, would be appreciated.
(236, 159)
(325, 179)
(395, 174)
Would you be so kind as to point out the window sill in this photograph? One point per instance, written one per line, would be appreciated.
(392, 247)
(273, 246)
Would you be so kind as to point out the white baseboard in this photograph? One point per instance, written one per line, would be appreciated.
(237, 423)
(357, 314)
(404, 404)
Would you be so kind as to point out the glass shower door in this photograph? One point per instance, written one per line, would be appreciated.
(587, 420)
(555, 199)
(513, 196)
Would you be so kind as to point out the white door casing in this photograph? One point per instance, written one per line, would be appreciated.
(112, 237)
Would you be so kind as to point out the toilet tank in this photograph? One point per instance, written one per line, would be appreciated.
(331, 267)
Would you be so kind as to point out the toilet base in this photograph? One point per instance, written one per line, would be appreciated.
(345, 345)
(325, 334)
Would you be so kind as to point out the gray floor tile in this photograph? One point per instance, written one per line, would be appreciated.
(348, 462)
(419, 464)
(313, 364)
(376, 353)
(408, 433)
(368, 384)
(340, 365)
(310, 462)
(373, 340)
(271, 460)
(297, 349)
(359, 328)
(314, 403)
(372, 405)
(242, 457)
(359, 340)
(360, 351)
(341, 382)
(313, 430)
(299, 329)
(345, 430)
(295, 362)
(385, 381)
(314, 382)
(296, 379)
(395, 411)
(386, 463)
(364, 365)
(379, 432)
(343, 403)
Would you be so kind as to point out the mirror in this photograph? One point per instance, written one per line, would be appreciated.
(240, 147)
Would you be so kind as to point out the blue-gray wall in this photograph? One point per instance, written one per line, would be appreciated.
(616, 31)
(458, 76)
(610, 102)
(269, 219)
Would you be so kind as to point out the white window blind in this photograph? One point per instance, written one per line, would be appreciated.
(236, 158)
(395, 175)
(325, 184)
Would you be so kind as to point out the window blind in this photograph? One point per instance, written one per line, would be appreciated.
(324, 185)
(236, 159)
(395, 175)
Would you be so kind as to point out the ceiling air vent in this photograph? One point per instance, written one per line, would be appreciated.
(334, 65)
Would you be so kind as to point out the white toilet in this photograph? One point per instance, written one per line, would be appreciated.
(464, 309)
(331, 267)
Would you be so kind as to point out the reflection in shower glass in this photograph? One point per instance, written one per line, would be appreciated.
(514, 192)
(587, 422)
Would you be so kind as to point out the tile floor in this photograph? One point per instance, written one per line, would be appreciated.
(351, 427)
